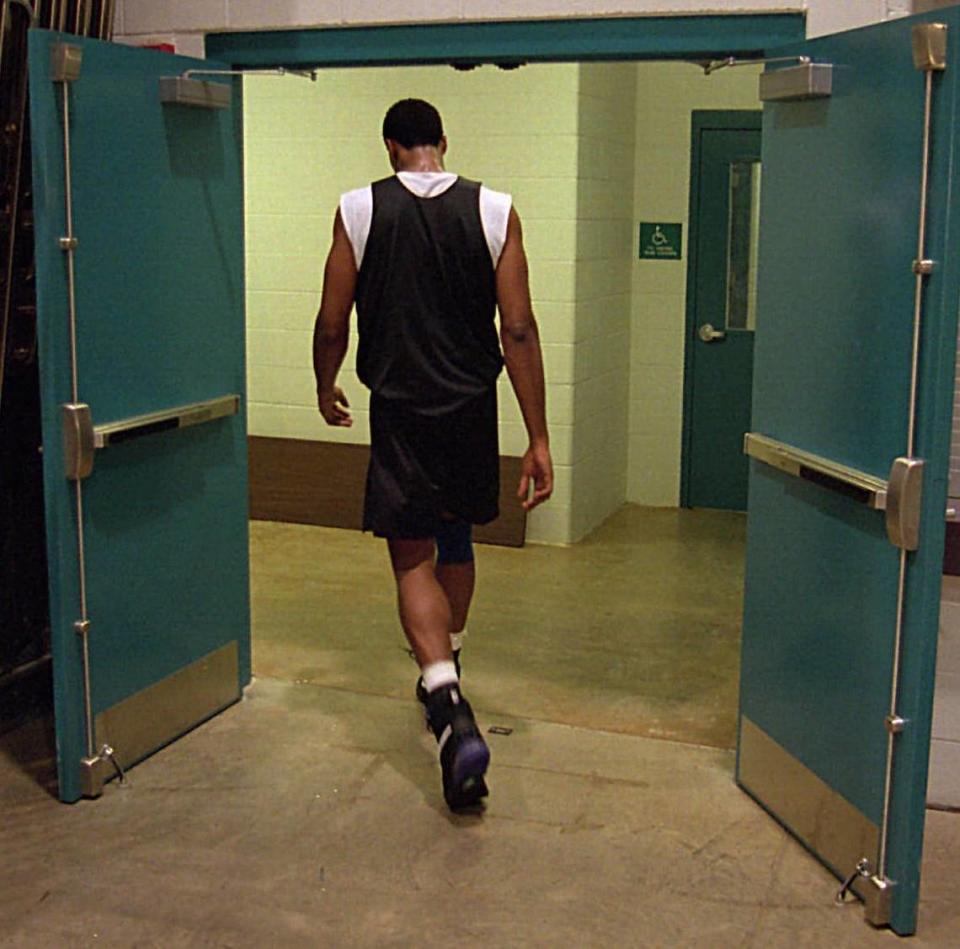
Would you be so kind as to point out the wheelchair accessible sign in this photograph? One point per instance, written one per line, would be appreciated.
(660, 241)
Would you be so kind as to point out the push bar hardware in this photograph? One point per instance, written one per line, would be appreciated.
(81, 437)
(77, 441)
(904, 500)
(930, 47)
(858, 485)
(183, 416)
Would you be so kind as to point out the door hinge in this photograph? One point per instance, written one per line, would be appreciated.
(904, 498)
(894, 724)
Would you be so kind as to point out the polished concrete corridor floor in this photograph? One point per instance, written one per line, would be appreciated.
(310, 814)
(636, 629)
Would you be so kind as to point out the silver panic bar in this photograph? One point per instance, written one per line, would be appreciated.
(871, 490)
(181, 417)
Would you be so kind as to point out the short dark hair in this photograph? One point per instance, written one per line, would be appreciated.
(413, 122)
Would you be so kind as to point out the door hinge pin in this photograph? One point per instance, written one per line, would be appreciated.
(894, 724)
(81, 627)
(68, 243)
(923, 268)
(862, 870)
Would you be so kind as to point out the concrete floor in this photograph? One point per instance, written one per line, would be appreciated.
(310, 814)
(636, 629)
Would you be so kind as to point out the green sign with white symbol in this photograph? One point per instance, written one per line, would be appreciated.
(660, 241)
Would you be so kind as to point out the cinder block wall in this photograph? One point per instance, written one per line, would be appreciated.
(605, 175)
(587, 151)
(667, 94)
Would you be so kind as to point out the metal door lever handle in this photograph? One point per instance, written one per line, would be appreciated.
(710, 335)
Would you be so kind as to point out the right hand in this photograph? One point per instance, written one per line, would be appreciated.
(536, 471)
(333, 407)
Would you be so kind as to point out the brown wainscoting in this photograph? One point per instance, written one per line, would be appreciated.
(307, 482)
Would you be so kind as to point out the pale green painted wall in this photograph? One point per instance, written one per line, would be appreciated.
(667, 93)
(586, 151)
(307, 142)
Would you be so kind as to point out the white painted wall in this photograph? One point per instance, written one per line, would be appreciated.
(153, 21)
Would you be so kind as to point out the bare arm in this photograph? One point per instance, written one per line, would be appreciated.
(521, 352)
(331, 332)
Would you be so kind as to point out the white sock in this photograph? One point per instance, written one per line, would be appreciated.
(438, 674)
(456, 640)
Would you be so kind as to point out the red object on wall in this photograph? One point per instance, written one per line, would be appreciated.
(163, 47)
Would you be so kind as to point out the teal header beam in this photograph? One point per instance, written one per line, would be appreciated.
(676, 37)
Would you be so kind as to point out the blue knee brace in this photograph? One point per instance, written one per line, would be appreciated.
(454, 542)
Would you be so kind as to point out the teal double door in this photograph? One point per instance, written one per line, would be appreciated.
(853, 390)
(139, 250)
(854, 374)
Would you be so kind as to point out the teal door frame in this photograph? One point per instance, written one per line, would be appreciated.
(693, 38)
(701, 120)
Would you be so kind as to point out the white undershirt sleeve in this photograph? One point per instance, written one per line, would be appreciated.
(494, 213)
(356, 212)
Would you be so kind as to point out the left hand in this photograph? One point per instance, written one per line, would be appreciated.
(333, 407)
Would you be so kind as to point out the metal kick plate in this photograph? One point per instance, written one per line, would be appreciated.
(139, 725)
(795, 83)
(199, 93)
(839, 833)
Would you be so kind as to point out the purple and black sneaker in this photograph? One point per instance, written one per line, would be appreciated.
(464, 755)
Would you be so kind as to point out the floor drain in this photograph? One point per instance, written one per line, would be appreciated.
(500, 730)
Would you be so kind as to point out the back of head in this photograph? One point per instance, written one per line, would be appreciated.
(413, 122)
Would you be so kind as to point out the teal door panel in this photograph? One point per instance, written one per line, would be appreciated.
(157, 213)
(718, 372)
(839, 224)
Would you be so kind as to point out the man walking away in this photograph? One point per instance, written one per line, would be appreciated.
(428, 257)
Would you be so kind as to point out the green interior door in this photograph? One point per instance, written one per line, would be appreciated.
(830, 696)
(156, 195)
(721, 308)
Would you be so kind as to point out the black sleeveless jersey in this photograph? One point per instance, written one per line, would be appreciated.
(426, 299)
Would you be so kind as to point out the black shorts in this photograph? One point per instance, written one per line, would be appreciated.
(424, 468)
